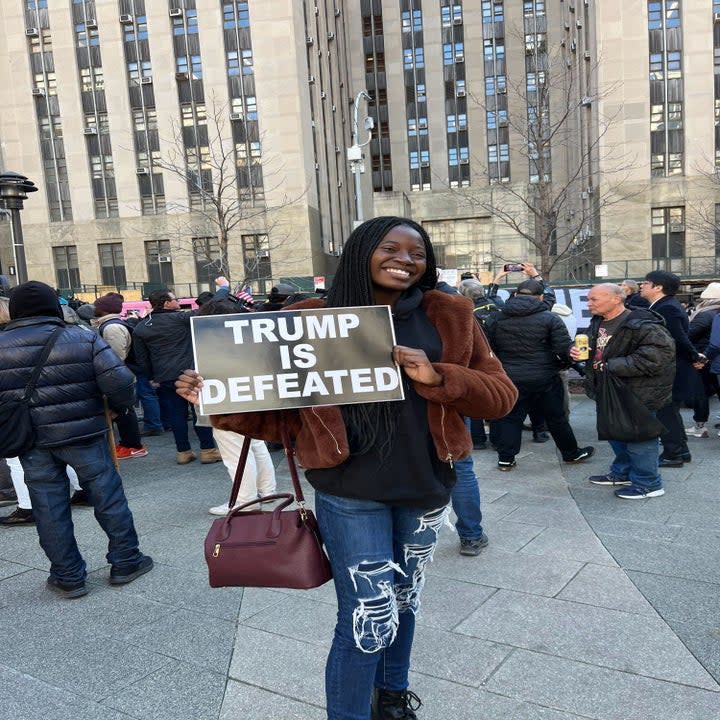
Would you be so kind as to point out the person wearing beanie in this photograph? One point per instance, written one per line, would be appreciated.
(86, 313)
(118, 335)
(34, 299)
(68, 415)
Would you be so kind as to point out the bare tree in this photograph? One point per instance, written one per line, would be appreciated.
(702, 217)
(562, 136)
(228, 178)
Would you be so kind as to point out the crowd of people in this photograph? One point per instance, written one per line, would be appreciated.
(474, 368)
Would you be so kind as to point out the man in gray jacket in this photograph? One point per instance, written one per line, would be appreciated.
(68, 414)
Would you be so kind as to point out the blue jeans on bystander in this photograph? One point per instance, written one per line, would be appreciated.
(466, 499)
(48, 485)
(378, 555)
(637, 462)
(178, 408)
(150, 404)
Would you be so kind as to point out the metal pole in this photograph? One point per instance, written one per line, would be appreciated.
(355, 166)
(355, 155)
(18, 246)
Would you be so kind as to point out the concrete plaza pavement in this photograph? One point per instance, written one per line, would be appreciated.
(582, 606)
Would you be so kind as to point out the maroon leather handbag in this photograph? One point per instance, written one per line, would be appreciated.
(280, 548)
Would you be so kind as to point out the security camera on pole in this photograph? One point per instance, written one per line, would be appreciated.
(355, 153)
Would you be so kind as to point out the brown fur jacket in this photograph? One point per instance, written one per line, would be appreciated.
(474, 385)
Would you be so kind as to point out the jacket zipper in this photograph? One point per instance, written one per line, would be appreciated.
(337, 446)
(448, 458)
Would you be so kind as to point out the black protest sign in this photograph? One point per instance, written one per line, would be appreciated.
(295, 358)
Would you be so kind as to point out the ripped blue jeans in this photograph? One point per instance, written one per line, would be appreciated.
(378, 555)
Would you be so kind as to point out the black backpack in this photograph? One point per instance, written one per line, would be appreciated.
(483, 312)
(130, 360)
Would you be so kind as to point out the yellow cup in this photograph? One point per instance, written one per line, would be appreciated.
(582, 344)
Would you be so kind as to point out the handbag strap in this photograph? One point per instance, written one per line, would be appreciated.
(242, 462)
(289, 454)
(30, 387)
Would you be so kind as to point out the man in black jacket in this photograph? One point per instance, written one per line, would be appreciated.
(634, 346)
(659, 289)
(162, 342)
(532, 343)
(68, 414)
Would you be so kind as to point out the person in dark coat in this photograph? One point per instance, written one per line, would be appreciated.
(701, 320)
(162, 342)
(633, 298)
(68, 415)
(659, 289)
(634, 346)
(532, 343)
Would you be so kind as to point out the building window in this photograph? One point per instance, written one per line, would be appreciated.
(451, 15)
(92, 79)
(67, 269)
(159, 263)
(235, 15)
(668, 235)
(411, 21)
(667, 138)
(189, 65)
(453, 53)
(533, 7)
(137, 70)
(112, 264)
(413, 58)
(208, 261)
(85, 36)
(256, 259)
(492, 11)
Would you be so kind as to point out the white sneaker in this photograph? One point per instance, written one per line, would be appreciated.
(220, 509)
(697, 431)
(224, 509)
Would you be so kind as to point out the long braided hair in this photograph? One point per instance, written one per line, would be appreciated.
(371, 424)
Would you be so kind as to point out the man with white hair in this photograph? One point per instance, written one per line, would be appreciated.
(633, 298)
(631, 347)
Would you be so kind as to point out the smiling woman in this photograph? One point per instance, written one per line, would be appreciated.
(383, 471)
(398, 262)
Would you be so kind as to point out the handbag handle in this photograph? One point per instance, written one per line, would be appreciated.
(289, 454)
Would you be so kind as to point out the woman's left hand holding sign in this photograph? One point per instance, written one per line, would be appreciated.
(188, 386)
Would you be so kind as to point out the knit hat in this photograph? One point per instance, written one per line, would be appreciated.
(109, 304)
(86, 312)
(34, 299)
(711, 292)
(530, 287)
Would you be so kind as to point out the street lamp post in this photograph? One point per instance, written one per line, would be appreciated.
(14, 189)
(355, 154)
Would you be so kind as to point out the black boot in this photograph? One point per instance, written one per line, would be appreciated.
(390, 705)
